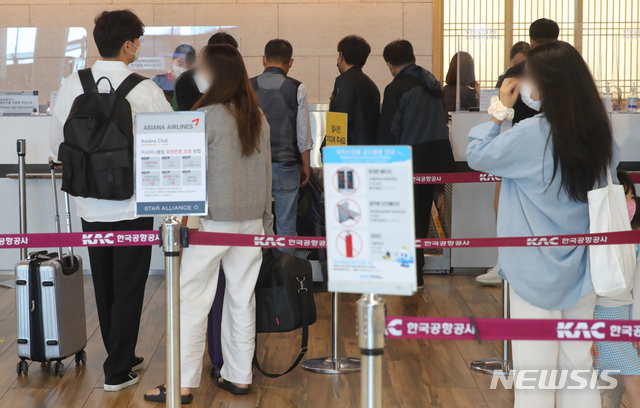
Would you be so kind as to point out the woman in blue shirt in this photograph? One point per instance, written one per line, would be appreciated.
(548, 164)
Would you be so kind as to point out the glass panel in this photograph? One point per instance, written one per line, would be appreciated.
(168, 51)
(611, 45)
(40, 58)
(526, 12)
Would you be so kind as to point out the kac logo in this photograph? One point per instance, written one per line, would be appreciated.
(489, 177)
(391, 328)
(542, 241)
(566, 330)
(94, 239)
(269, 241)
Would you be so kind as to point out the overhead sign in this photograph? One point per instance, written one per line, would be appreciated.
(336, 134)
(171, 163)
(370, 219)
(19, 102)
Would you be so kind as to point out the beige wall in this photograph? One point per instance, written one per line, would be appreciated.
(313, 27)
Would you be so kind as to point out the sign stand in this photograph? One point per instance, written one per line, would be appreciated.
(497, 365)
(333, 364)
(372, 311)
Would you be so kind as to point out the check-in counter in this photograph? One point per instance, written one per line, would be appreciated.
(473, 215)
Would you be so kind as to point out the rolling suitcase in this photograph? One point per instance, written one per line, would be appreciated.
(50, 304)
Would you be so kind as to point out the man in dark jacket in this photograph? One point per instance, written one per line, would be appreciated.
(413, 114)
(354, 93)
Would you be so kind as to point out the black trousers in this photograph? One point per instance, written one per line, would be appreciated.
(422, 199)
(119, 278)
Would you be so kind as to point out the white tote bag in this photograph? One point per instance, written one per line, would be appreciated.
(612, 266)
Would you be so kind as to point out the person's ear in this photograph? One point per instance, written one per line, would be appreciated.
(532, 42)
(264, 61)
(291, 63)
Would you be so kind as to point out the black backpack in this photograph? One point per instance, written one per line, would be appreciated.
(97, 152)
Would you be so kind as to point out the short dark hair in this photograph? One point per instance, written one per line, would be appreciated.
(518, 48)
(113, 29)
(399, 53)
(544, 29)
(278, 50)
(223, 38)
(184, 51)
(355, 50)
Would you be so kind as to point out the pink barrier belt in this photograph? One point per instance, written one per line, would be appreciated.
(470, 177)
(454, 328)
(133, 238)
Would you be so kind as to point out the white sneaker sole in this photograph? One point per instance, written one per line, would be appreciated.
(119, 387)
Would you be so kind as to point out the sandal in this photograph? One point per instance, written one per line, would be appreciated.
(162, 396)
(228, 386)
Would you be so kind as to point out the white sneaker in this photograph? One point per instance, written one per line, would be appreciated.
(117, 387)
(491, 278)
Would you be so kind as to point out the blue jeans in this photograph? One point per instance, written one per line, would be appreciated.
(285, 186)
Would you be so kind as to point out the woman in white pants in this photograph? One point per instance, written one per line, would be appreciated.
(239, 188)
(548, 163)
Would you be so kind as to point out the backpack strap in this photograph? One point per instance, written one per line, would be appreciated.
(87, 81)
(129, 83)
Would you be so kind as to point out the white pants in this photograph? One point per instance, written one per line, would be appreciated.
(550, 355)
(198, 284)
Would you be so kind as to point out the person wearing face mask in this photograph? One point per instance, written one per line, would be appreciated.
(182, 60)
(540, 32)
(354, 93)
(548, 163)
(621, 358)
(239, 148)
(119, 273)
(191, 85)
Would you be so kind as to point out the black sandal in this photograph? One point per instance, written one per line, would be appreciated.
(228, 386)
(162, 396)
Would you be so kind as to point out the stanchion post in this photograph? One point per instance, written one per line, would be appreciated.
(333, 364)
(372, 311)
(21, 146)
(171, 241)
(498, 365)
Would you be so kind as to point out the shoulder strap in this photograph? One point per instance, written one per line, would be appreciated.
(303, 293)
(129, 83)
(87, 81)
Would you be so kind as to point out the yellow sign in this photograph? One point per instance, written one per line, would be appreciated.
(336, 129)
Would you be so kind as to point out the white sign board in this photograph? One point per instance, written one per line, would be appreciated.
(18, 102)
(171, 163)
(485, 98)
(148, 64)
(370, 219)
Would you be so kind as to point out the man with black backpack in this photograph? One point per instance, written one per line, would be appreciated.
(92, 135)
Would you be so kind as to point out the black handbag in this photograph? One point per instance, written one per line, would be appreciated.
(284, 299)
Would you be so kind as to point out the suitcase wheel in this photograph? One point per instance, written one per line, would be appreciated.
(81, 357)
(22, 368)
(58, 369)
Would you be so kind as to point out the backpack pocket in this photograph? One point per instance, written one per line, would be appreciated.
(113, 174)
(74, 170)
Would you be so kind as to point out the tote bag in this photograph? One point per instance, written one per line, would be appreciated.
(612, 266)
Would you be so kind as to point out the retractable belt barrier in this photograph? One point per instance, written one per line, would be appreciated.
(455, 328)
(471, 177)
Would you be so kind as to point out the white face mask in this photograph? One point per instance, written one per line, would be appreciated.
(201, 82)
(137, 53)
(178, 70)
(525, 93)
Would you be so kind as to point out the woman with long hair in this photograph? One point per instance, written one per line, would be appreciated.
(467, 84)
(548, 163)
(239, 189)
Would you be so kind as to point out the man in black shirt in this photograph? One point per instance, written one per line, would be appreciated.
(187, 92)
(354, 93)
(540, 31)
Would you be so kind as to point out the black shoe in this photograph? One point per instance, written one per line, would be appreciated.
(131, 380)
(162, 396)
(228, 386)
(137, 363)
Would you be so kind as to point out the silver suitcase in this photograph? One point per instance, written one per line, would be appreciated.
(50, 305)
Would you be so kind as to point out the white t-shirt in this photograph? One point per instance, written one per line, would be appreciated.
(145, 97)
